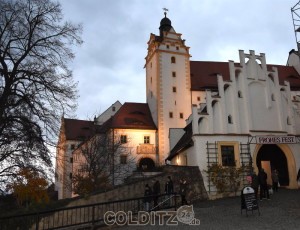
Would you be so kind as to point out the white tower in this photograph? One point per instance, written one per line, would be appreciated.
(168, 83)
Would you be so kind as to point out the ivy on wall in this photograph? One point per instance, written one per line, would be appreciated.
(226, 179)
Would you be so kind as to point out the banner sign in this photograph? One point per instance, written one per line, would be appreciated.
(276, 139)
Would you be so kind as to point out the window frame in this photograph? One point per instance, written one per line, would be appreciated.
(123, 139)
(146, 139)
(235, 149)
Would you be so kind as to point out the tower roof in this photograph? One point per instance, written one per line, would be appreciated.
(165, 24)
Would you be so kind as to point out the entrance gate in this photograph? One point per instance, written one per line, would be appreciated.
(273, 152)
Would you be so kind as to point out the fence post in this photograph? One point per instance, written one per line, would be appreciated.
(175, 202)
(37, 221)
(93, 217)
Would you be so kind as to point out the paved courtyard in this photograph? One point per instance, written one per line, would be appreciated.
(281, 212)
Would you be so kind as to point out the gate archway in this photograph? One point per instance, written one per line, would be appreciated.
(265, 153)
(146, 164)
(277, 159)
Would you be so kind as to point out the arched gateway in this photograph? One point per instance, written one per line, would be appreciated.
(280, 157)
(146, 164)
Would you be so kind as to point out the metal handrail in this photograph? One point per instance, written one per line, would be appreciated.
(91, 214)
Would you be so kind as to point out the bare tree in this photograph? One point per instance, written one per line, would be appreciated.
(36, 86)
(101, 162)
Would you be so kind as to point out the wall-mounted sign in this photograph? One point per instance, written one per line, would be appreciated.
(276, 139)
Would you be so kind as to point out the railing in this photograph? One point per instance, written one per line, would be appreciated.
(146, 149)
(84, 215)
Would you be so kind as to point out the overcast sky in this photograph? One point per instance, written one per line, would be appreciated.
(109, 65)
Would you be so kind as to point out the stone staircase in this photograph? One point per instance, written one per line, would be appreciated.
(135, 188)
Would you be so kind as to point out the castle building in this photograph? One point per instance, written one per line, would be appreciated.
(200, 113)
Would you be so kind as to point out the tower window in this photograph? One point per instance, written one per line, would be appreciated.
(170, 114)
(174, 89)
(230, 119)
(181, 115)
(173, 74)
(173, 60)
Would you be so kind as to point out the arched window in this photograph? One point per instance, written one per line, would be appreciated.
(230, 119)
(273, 97)
(240, 95)
(173, 60)
(288, 120)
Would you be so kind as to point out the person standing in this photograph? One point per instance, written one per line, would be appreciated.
(156, 192)
(275, 180)
(262, 178)
(169, 189)
(182, 191)
(147, 197)
(255, 183)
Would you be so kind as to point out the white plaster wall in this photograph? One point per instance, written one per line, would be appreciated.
(108, 113)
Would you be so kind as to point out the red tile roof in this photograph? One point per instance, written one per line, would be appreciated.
(78, 129)
(204, 74)
(129, 116)
(133, 116)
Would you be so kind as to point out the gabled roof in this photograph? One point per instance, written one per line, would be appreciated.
(184, 142)
(133, 116)
(79, 129)
(129, 116)
(204, 74)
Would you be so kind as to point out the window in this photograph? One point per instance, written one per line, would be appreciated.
(113, 108)
(151, 94)
(168, 46)
(71, 160)
(198, 98)
(230, 119)
(123, 159)
(70, 175)
(173, 74)
(240, 94)
(181, 115)
(227, 153)
(151, 79)
(177, 48)
(146, 139)
(174, 89)
(288, 120)
(170, 114)
(173, 60)
(123, 139)
(72, 146)
(151, 64)
(273, 97)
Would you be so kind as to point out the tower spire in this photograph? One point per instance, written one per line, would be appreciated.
(165, 11)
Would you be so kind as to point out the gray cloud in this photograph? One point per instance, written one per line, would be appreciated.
(109, 65)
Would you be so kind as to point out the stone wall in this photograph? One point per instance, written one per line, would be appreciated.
(191, 174)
